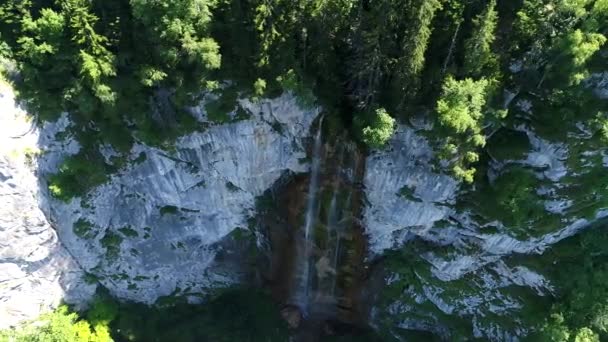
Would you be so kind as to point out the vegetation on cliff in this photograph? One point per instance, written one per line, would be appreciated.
(127, 70)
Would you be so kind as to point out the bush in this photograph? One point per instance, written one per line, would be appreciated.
(62, 325)
(376, 128)
(111, 242)
(76, 176)
(291, 82)
(82, 228)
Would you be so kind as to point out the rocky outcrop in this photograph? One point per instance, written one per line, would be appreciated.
(450, 267)
(158, 227)
(599, 83)
(36, 271)
(404, 194)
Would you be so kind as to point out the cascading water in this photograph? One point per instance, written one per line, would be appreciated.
(301, 295)
(319, 258)
(334, 225)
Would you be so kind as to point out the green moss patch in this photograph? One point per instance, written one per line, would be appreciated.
(169, 210)
(128, 232)
(111, 242)
(83, 228)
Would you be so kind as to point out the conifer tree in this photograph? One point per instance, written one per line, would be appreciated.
(478, 48)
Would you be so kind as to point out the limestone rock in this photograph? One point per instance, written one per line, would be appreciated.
(36, 271)
(158, 226)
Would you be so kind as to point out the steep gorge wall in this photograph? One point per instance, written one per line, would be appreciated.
(155, 228)
(171, 222)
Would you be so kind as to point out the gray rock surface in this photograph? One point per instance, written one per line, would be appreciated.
(404, 193)
(599, 83)
(463, 271)
(36, 271)
(157, 226)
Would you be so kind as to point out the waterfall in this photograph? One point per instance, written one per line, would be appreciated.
(334, 225)
(325, 253)
(301, 295)
(314, 185)
(337, 227)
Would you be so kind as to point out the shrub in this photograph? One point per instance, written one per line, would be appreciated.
(76, 176)
(82, 228)
(62, 325)
(290, 81)
(376, 128)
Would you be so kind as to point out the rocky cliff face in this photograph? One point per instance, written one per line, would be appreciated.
(456, 260)
(169, 223)
(156, 227)
(36, 270)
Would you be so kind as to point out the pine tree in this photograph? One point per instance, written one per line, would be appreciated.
(369, 62)
(460, 113)
(417, 36)
(414, 43)
(478, 48)
(178, 29)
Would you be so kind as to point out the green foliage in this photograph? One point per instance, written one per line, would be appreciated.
(577, 268)
(218, 110)
(600, 122)
(460, 112)
(77, 175)
(479, 56)
(515, 194)
(169, 210)
(291, 82)
(82, 228)
(243, 315)
(179, 28)
(259, 88)
(61, 325)
(576, 48)
(508, 144)
(111, 242)
(128, 232)
(104, 62)
(586, 335)
(376, 128)
(408, 193)
(416, 39)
